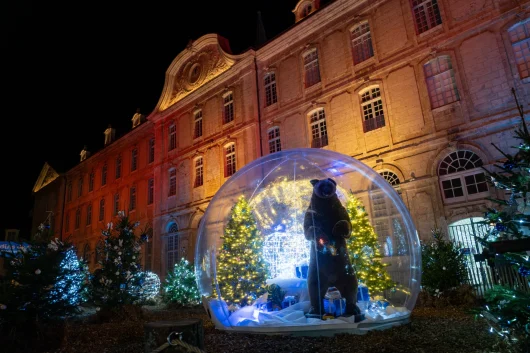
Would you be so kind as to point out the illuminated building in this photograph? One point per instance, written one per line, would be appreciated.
(418, 90)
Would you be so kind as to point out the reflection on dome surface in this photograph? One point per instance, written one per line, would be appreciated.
(253, 256)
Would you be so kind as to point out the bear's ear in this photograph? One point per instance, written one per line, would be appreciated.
(333, 181)
(314, 181)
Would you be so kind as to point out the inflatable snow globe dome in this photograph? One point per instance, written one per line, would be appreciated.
(307, 241)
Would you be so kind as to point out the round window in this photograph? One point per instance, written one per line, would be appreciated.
(195, 72)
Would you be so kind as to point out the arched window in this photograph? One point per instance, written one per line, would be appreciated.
(198, 172)
(99, 251)
(311, 68)
(275, 144)
(197, 124)
(392, 178)
(270, 89)
(319, 130)
(461, 178)
(441, 82)
(372, 108)
(228, 107)
(361, 43)
(230, 159)
(520, 38)
(172, 246)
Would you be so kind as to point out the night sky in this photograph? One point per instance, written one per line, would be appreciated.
(75, 67)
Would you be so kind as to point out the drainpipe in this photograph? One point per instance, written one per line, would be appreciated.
(259, 106)
(63, 207)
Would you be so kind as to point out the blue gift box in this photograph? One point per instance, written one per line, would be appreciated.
(336, 307)
(362, 293)
(301, 271)
(264, 306)
(288, 301)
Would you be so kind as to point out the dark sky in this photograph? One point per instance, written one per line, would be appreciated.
(71, 68)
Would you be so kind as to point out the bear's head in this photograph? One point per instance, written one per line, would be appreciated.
(324, 188)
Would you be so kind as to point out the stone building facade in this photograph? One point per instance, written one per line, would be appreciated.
(417, 90)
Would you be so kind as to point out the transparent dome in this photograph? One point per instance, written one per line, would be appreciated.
(307, 240)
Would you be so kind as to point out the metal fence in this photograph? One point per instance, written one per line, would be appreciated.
(481, 275)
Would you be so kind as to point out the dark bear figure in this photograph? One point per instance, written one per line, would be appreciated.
(327, 225)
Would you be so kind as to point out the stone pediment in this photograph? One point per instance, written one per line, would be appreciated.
(46, 176)
(202, 61)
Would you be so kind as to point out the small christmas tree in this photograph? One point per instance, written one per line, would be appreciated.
(443, 265)
(241, 269)
(119, 280)
(180, 286)
(363, 248)
(45, 283)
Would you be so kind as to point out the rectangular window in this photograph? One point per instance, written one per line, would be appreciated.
(104, 175)
(134, 159)
(228, 110)
(464, 186)
(172, 251)
(172, 182)
(274, 140)
(151, 150)
(372, 109)
(101, 210)
(230, 161)
(118, 167)
(426, 14)
(197, 131)
(150, 191)
(89, 214)
(77, 218)
(69, 192)
(270, 89)
(80, 187)
(520, 38)
(441, 82)
(91, 182)
(132, 198)
(198, 172)
(116, 203)
(361, 41)
(67, 223)
(172, 137)
(312, 71)
(319, 131)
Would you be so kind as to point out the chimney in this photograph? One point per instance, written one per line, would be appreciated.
(137, 118)
(110, 133)
(84, 154)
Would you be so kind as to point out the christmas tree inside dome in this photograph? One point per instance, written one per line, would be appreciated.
(307, 241)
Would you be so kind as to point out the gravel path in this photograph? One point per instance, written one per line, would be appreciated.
(431, 330)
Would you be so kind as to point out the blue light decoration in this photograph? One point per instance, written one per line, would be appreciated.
(70, 280)
(150, 287)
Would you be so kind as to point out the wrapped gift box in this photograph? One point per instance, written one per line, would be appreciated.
(362, 293)
(336, 307)
(288, 301)
(301, 271)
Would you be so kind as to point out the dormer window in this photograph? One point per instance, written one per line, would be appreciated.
(304, 8)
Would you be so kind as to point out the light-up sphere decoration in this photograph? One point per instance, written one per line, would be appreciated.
(149, 288)
(278, 190)
(282, 251)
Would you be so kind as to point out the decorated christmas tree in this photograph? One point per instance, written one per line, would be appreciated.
(180, 286)
(44, 283)
(241, 269)
(120, 279)
(364, 249)
(508, 239)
